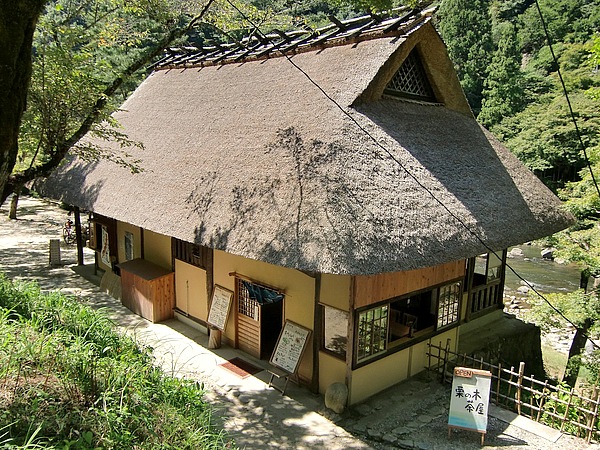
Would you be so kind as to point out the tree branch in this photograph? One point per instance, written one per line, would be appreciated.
(43, 170)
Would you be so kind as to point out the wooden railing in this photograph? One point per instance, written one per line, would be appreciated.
(559, 406)
(484, 297)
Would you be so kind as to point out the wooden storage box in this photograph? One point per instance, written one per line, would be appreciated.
(147, 289)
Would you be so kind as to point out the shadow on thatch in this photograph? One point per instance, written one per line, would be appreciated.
(70, 184)
(303, 210)
(484, 179)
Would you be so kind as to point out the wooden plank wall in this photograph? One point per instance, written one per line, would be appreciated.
(152, 299)
(372, 289)
(163, 299)
(248, 336)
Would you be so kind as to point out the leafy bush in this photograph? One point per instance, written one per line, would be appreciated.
(68, 380)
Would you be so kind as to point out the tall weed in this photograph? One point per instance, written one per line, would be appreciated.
(68, 380)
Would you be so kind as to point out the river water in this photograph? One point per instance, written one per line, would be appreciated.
(544, 275)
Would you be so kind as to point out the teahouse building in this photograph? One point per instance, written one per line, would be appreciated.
(336, 179)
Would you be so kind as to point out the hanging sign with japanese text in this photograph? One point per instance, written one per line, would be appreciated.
(470, 399)
(219, 307)
(290, 347)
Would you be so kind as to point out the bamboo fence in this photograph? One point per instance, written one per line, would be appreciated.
(559, 406)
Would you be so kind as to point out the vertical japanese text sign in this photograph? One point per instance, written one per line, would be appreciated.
(470, 399)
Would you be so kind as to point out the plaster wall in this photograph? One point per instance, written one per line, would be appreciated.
(157, 249)
(331, 370)
(299, 288)
(122, 228)
(335, 291)
(190, 290)
(379, 375)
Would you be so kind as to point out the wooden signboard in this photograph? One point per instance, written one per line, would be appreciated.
(219, 307)
(290, 347)
(470, 400)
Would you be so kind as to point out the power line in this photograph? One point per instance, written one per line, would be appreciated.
(409, 173)
(566, 93)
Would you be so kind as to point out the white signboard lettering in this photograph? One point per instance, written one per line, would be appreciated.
(470, 399)
(105, 252)
(219, 307)
(290, 347)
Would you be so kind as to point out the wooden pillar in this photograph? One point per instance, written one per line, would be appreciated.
(351, 338)
(317, 335)
(78, 236)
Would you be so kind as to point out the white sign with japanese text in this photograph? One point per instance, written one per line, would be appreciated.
(470, 399)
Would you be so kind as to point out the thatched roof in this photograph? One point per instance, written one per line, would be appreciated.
(253, 159)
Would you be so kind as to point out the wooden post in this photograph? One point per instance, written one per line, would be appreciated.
(542, 400)
(499, 379)
(594, 415)
(520, 385)
(564, 421)
(78, 236)
(317, 334)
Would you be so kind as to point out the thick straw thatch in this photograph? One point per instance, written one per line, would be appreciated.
(253, 159)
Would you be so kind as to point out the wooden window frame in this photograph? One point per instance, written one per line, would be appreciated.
(335, 354)
(406, 342)
(129, 248)
(373, 341)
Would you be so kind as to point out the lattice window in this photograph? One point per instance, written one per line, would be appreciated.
(246, 305)
(411, 80)
(372, 332)
(448, 305)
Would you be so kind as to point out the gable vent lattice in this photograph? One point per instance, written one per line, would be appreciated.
(411, 80)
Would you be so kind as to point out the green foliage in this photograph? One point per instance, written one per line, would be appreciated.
(68, 380)
(503, 88)
(594, 66)
(562, 410)
(465, 26)
(576, 306)
(374, 5)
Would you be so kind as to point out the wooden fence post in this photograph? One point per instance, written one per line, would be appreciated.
(594, 415)
(519, 385)
(542, 400)
(512, 371)
(562, 425)
(439, 358)
(531, 397)
(446, 351)
(499, 380)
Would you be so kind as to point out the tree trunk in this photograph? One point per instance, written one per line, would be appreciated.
(21, 178)
(18, 19)
(14, 203)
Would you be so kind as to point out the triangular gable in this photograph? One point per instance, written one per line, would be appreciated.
(426, 45)
(411, 81)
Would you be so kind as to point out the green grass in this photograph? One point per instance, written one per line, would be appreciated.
(69, 380)
(554, 362)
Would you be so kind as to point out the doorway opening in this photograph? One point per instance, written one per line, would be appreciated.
(259, 318)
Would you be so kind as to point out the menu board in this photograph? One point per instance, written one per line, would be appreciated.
(290, 346)
(219, 307)
(470, 399)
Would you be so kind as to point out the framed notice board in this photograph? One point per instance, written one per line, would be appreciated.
(290, 346)
(470, 399)
(219, 307)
